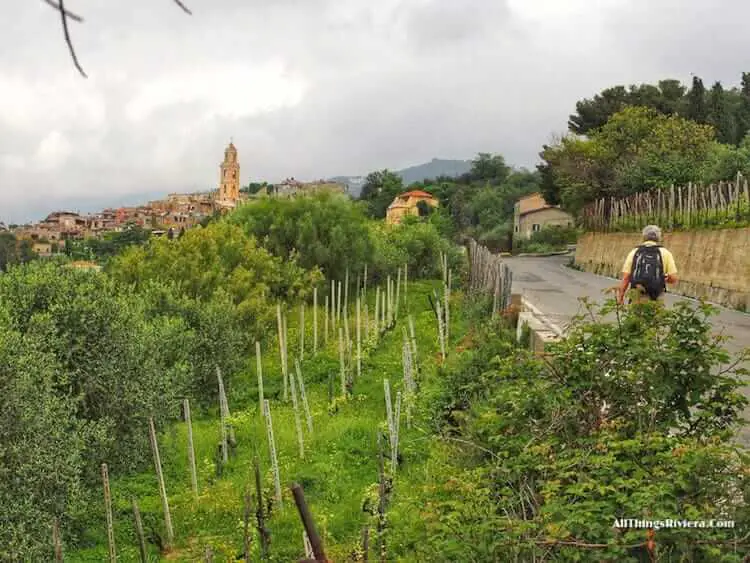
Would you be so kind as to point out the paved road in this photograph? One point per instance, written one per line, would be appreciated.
(555, 289)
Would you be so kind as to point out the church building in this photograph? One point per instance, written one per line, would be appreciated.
(228, 194)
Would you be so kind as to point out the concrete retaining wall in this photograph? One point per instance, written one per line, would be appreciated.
(711, 264)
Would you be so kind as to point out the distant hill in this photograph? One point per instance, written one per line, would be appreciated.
(436, 167)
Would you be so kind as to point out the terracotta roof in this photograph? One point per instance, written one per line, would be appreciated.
(538, 209)
(416, 193)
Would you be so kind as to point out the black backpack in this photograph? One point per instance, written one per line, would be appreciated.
(648, 270)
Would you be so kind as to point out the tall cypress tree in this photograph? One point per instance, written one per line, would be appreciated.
(696, 107)
(720, 115)
(743, 112)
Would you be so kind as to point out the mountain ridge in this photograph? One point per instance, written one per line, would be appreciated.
(417, 173)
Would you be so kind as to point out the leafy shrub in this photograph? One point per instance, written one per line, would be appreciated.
(414, 242)
(627, 419)
(326, 230)
(548, 239)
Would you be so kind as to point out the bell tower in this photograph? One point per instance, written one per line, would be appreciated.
(229, 182)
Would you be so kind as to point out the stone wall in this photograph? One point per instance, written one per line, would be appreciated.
(711, 264)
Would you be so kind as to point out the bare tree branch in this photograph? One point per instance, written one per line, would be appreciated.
(65, 15)
(70, 14)
(184, 8)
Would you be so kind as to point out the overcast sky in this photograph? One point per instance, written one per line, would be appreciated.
(316, 88)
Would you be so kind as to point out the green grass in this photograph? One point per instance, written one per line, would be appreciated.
(338, 474)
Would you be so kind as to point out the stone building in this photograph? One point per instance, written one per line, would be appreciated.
(291, 188)
(408, 204)
(532, 213)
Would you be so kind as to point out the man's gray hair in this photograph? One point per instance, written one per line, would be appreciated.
(652, 232)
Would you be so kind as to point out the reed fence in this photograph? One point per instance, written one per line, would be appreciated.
(726, 204)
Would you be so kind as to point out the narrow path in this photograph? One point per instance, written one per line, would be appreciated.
(556, 289)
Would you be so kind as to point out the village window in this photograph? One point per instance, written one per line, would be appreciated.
(535, 227)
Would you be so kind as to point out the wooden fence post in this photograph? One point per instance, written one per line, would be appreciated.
(57, 540)
(139, 532)
(309, 523)
(259, 369)
(162, 487)
(108, 514)
(315, 321)
(260, 517)
(191, 448)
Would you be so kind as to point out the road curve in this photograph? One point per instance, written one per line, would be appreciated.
(555, 289)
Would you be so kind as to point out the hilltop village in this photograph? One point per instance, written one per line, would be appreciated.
(177, 212)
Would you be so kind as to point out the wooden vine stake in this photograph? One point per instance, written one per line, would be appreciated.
(259, 514)
(342, 365)
(347, 338)
(308, 523)
(246, 524)
(447, 293)
(397, 429)
(441, 328)
(259, 369)
(359, 338)
(406, 284)
(286, 355)
(409, 383)
(272, 451)
(302, 330)
(382, 500)
(308, 547)
(280, 325)
(57, 540)
(297, 422)
(222, 419)
(303, 396)
(333, 305)
(376, 327)
(366, 321)
(398, 294)
(364, 281)
(315, 321)
(388, 301)
(143, 553)
(391, 425)
(191, 448)
(160, 477)
(325, 324)
(346, 293)
(338, 304)
(108, 514)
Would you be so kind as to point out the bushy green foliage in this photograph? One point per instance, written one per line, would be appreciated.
(325, 230)
(416, 243)
(480, 204)
(379, 190)
(14, 251)
(109, 245)
(549, 239)
(43, 445)
(116, 361)
(220, 260)
(83, 365)
(624, 419)
(636, 149)
(725, 109)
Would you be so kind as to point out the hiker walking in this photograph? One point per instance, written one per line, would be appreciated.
(648, 268)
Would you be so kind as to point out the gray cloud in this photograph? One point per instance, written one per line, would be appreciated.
(313, 88)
